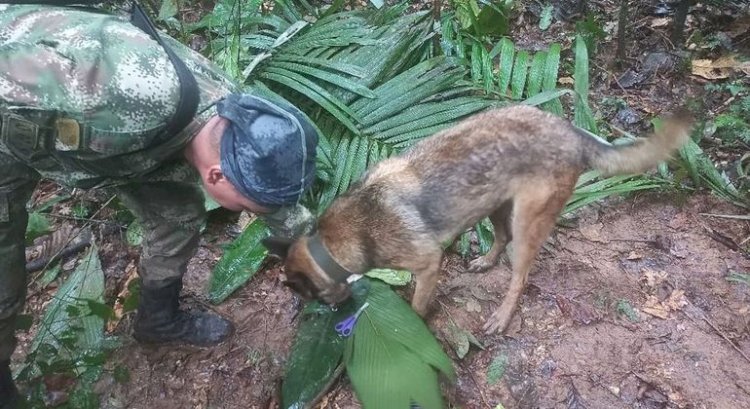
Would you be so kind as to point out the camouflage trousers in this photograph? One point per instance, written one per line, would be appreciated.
(171, 214)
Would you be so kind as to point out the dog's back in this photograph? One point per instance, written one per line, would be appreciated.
(458, 176)
(468, 170)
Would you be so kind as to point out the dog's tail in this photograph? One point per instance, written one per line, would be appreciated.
(643, 153)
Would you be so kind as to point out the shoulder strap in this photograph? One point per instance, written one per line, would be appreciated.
(187, 106)
(189, 94)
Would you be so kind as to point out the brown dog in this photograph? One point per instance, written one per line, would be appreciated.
(517, 160)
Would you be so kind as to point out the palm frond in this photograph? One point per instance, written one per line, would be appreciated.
(583, 116)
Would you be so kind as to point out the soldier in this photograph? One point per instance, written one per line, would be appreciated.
(87, 99)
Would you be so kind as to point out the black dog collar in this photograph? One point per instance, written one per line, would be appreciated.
(323, 258)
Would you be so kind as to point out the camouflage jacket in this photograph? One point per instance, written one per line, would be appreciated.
(101, 92)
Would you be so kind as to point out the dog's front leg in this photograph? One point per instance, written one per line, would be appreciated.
(426, 274)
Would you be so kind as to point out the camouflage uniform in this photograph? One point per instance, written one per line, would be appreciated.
(84, 100)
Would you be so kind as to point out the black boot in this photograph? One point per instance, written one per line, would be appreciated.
(159, 320)
(8, 393)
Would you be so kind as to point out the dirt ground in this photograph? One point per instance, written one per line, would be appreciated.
(629, 305)
(568, 346)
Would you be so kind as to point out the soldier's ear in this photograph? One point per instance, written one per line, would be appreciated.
(277, 246)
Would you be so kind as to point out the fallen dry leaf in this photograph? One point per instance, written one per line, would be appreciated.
(132, 273)
(676, 300)
(653, 278)
(634, 255)
(661, 309)
(660, 22)
(652, 306)
(720, 68)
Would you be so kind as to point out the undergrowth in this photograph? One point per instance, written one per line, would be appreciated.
(374, 82)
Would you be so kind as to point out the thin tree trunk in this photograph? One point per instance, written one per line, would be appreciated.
(680, 16)
(622, 23)
(437, 5)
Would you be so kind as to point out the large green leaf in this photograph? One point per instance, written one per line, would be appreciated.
(240, 262)
(315, 355)
(68, 324)
(392, 357)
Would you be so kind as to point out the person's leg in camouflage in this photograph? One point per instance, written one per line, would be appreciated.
(171, 215)
(17, 182)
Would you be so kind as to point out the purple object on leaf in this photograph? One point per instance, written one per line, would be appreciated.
(346, 327)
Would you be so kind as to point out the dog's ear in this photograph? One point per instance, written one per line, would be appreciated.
(277, 246)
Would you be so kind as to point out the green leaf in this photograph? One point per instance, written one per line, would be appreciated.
(484, 235)
(492, 20)
(476, 61)
(536, 74)
(392, 357)
(545, 20)
(589, 190)
(37, 226)
(134, 234)
(100, 310)
(507, 52)
(487, 74)
(168, 9)
(342, 67)
(130, 303)
(327, 76)
(49, 275)
(624, 308)
(739, 278)
(392, 277)
(520, 69)
(549, 83)
(583, 117)
(66, 316)
(315, 354)
(315, 92)
(704, 173)
(121, 374)
(83, 398)
(546, 96)
(229, 55)
(241, 260)
(497, 367)
(47, 205)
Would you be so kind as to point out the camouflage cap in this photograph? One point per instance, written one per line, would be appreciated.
(268, 149)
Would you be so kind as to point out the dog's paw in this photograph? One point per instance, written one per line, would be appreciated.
(497, 323)
(479, 265)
